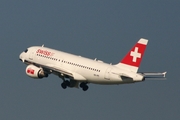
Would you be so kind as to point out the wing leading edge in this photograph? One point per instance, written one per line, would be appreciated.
(62, 72)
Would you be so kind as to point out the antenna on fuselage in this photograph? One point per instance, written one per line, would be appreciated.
(42, 45)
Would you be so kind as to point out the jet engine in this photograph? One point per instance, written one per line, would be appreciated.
(35, 72)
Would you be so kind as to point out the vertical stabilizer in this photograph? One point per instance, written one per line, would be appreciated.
(133, 58)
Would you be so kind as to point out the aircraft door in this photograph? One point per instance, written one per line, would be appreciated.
(31, 55)
(107, 73)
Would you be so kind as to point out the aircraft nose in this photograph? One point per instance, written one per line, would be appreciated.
(21, 57)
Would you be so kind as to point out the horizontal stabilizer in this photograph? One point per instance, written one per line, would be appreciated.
(154, 75)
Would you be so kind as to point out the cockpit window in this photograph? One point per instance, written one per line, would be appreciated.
(26, 50)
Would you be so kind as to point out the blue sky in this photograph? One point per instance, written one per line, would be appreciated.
(95, 29)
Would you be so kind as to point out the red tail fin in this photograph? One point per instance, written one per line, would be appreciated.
(133, 59)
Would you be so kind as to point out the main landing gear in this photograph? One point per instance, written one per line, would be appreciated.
(84, 86)
(67, 83)
(72, 83)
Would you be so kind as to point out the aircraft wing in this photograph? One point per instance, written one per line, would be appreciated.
(61, 72)
(153, 75)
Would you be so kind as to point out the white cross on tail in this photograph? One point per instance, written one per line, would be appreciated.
(135, 54)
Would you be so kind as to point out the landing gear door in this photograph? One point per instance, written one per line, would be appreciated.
(107, 74)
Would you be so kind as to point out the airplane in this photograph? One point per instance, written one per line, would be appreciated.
(77, 71)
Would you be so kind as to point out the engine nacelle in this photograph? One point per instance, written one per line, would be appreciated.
(35, 72)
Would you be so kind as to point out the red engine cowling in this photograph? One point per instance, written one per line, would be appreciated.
(35, 72)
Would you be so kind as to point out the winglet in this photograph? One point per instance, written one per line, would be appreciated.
(164, 74)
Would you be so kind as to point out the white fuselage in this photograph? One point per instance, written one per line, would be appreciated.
(91, 71)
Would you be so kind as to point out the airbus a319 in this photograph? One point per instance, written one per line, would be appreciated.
(77, 71)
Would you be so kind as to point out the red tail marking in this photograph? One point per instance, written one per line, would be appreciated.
(135, 55)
